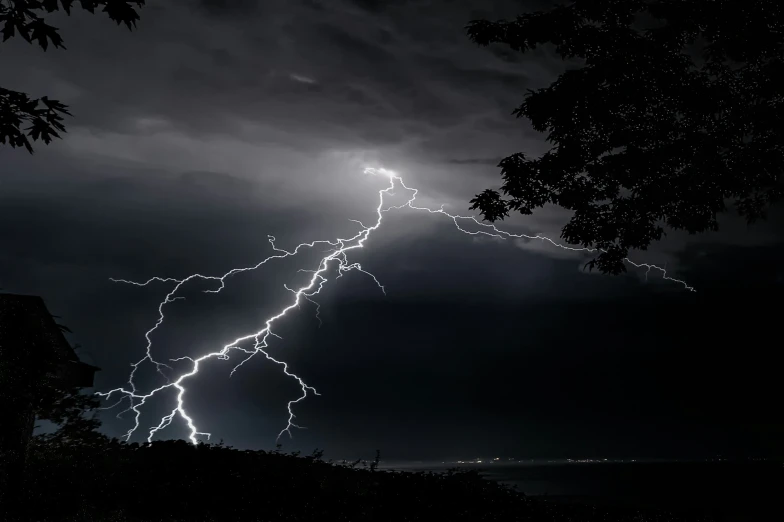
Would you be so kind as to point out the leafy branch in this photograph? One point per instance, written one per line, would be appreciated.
(643, 136)
(23, 118)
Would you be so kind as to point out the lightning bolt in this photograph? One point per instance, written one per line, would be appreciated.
(256, 343)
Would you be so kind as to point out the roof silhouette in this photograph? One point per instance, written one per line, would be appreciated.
(26, 324)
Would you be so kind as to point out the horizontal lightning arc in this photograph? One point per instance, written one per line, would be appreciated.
(336, 254)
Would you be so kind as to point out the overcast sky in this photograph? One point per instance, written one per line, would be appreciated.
(218, 123)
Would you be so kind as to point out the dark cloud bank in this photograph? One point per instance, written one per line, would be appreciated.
(218, 123)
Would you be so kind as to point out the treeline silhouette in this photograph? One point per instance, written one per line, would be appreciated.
(107, 479)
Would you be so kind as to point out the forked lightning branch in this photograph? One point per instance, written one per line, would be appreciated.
(255, 344)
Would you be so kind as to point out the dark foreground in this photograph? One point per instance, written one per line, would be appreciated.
(724, 490)
(176, 481)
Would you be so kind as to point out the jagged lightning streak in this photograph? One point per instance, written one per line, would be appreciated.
(337, 255)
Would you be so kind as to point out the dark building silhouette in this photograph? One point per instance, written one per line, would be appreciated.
(33, 353)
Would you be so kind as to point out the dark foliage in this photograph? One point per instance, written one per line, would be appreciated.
(73, 411)
(23, 118)
(676, 110)
(174, 480)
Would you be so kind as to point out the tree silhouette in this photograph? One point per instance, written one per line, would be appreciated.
(73, 411)
(43, 116)
(674, 112)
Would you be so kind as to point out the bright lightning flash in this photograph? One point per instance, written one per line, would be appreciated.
(256, 343)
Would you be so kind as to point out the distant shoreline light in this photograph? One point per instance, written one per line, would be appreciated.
(501, 461)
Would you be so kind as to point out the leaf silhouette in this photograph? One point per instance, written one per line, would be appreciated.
(649, 132)
(41, 119)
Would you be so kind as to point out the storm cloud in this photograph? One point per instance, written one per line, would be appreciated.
(218, 123)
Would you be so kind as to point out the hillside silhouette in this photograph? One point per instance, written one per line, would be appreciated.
(175, 480)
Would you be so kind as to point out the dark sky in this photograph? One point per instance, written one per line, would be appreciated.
(218, 123)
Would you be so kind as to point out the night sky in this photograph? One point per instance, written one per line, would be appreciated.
(220, 122)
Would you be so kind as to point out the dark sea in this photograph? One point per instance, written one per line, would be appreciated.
(722, 490)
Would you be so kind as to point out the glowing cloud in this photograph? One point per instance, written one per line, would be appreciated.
(256, 343)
